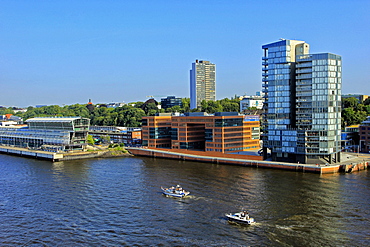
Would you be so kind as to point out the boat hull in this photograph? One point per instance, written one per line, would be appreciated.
(241, 220)
(175, 194)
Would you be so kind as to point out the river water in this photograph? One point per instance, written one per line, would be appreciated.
(118, 202)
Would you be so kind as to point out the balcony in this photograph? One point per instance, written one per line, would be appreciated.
(304, 76)
(309, 106)
(304, 65)
(303, 94)
(305, 100)
(303, 83)
(301, 71)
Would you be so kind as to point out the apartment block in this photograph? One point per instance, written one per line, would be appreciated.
(302, 103)
(202, 83)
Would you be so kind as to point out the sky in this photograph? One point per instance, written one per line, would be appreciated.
(69, 51)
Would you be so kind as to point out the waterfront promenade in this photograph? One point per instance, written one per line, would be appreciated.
(60, 156)
(351, 163)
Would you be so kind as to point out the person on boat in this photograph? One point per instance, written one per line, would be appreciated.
(246, 215)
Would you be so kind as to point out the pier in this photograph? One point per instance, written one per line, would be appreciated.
(355, 164)
(54, 157)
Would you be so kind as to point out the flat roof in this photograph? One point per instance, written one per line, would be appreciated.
(52, 119)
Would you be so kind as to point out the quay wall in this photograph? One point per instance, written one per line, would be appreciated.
(244, 160)
(31, 153)
(38, 154)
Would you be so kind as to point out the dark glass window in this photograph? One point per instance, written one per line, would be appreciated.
(174, 135)
(228, 122)
(208, 135)
(159, 133)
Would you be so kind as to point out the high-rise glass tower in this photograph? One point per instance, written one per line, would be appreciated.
(302, 106)
(202, 83)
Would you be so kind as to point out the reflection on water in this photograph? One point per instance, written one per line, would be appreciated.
(119, 202)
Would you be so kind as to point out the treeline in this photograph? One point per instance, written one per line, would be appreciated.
(130, 115)
(354, 112)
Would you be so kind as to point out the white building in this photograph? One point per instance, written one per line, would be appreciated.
(251, 101)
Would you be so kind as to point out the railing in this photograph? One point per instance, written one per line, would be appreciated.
(304, 76)
(304, 70)
(304, 65)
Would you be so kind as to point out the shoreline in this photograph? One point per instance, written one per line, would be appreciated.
(55, 157)
(356, 164)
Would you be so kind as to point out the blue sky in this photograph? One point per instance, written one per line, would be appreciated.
(67, 52)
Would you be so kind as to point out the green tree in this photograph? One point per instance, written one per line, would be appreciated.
(175, 108)
(353, 112)
(349, 102)
(150, 109)
(105, 138)
(211, 106)
(230, 107)
(4, 111)
(130, 117)
(90, 140)
(185, 105)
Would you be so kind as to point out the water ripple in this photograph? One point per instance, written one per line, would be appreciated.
(118, 202)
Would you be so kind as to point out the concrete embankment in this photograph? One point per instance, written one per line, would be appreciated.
(246, 160)
(31, 153)
(38, 154)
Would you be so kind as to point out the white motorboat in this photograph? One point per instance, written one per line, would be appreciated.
(175, 191)
(241, 217)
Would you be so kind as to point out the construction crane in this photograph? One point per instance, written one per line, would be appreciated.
(155, 96)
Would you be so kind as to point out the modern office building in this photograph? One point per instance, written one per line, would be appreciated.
(225, 132)
(364, 132)
(48, 134)
(130, 136)
(202, 83)
(302, 109)
(350, 138)
(251, 101)
(170, 101)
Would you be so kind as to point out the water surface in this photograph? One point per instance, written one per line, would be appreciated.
(118, 202)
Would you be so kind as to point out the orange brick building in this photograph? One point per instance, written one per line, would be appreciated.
(225, 132)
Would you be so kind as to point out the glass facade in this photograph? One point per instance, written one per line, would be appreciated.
(302, 101)
(221, 132)
(170, 101)
(49, 134)
(319, 103)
